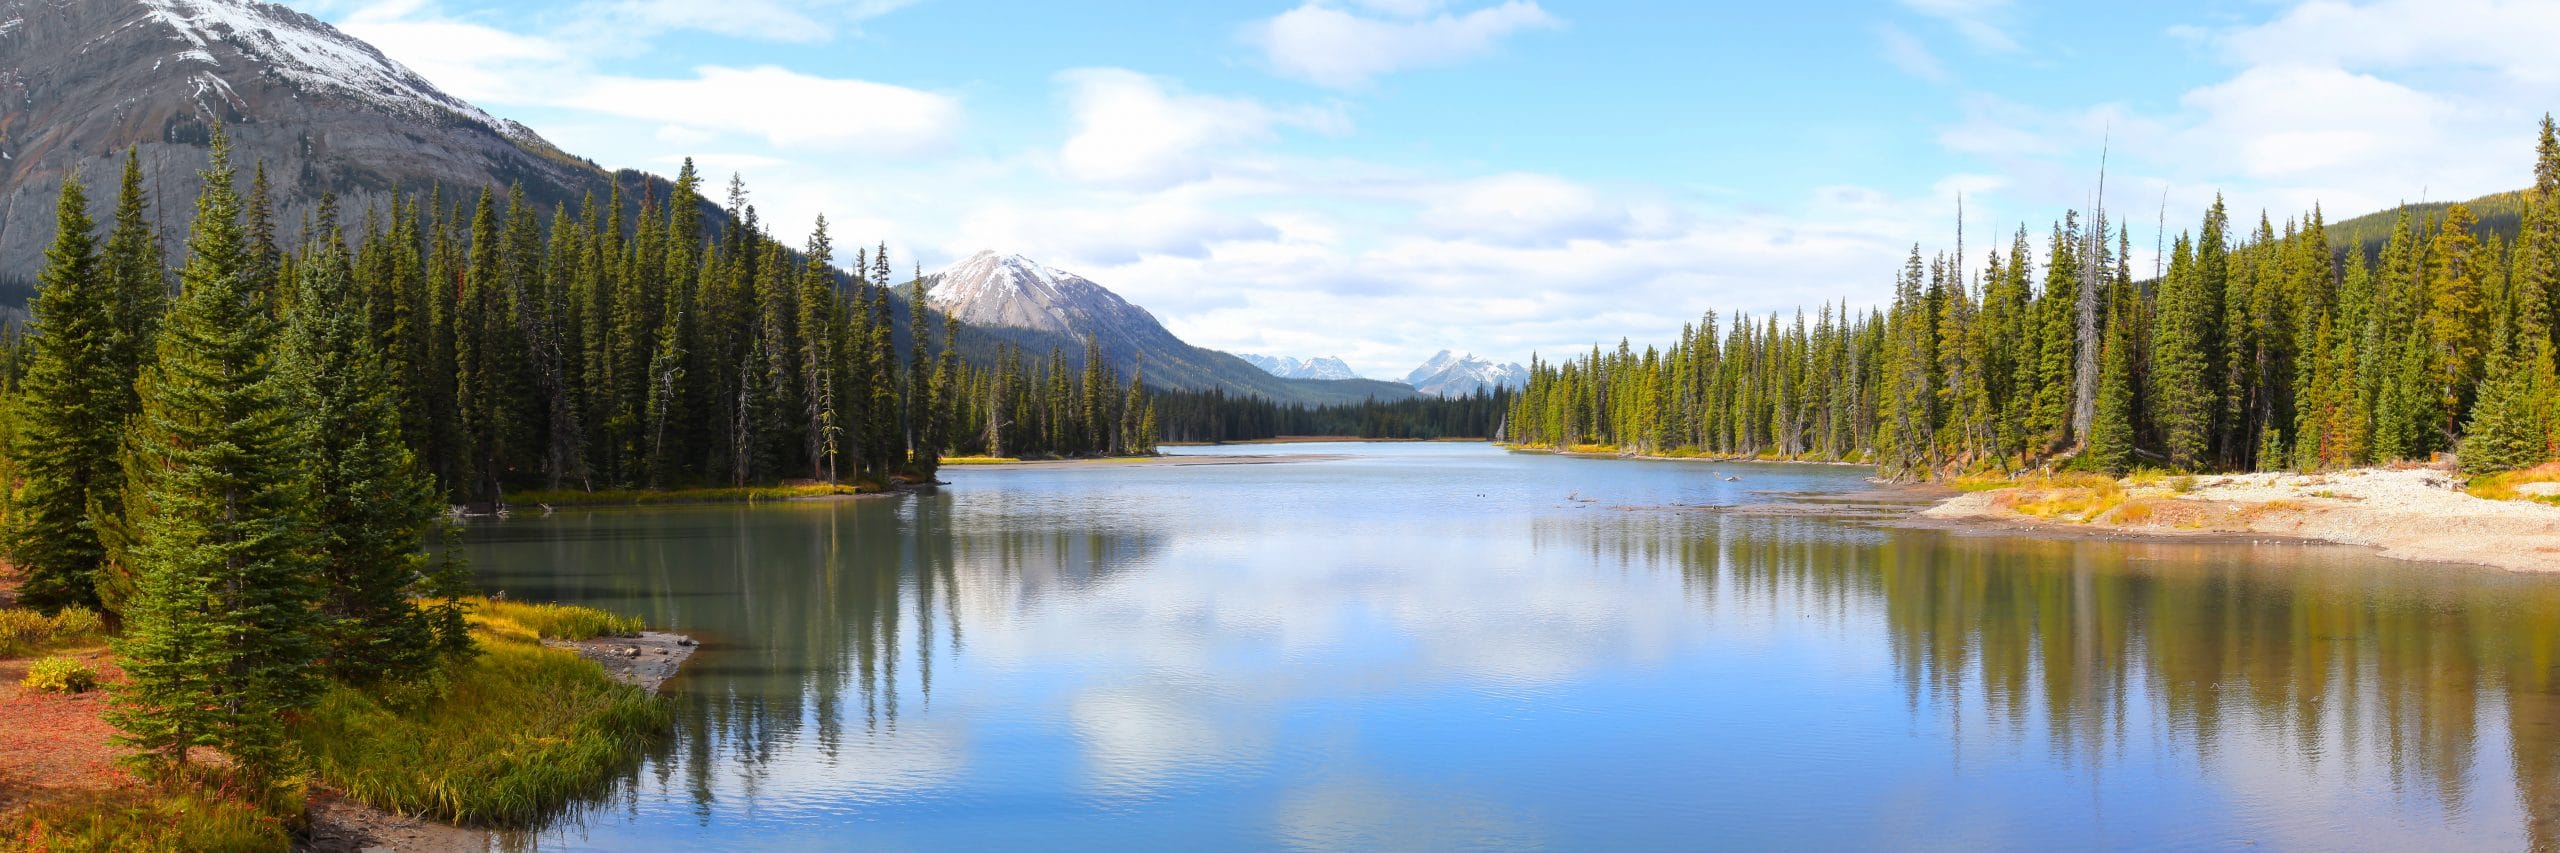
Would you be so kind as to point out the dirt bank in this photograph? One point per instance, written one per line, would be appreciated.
(2414, 514)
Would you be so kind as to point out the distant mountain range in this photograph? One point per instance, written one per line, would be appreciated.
(1321, 367)
(992, 291)
(1451, 375)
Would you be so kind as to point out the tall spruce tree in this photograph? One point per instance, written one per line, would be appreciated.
(372, 505)
(220, 640)
(76, 400)
(2111, 433)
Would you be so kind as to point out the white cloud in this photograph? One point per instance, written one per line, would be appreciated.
(798, 21)
(786, 108)
(1903, 51)
(1979, 21)
(1522, 208)
(1164, 225)
(474, 62)
(1129, 129)
(2287, 122)
(1332, 46)
(2350, 107)
(2514, 37)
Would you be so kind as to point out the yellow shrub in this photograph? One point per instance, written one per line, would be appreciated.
(60, 675)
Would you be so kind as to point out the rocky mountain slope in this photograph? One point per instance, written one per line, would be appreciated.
(1450, 375)
(993, 291)
(82, 80)
(1321, 367)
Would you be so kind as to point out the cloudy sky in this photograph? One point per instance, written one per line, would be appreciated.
(1380, 179)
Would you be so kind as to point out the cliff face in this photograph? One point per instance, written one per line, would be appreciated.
(83, 80)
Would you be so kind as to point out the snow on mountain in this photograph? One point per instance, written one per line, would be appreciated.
(329, 115)
(1050, 307)
(305, 51)
(1450, 375)
(1324, 367)
(1012, 291)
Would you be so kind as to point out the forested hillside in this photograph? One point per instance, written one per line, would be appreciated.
(2265, 345)
(618, 343)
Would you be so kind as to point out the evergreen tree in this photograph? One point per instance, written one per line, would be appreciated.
(219, 642)
(2111, 435)
(371, 505)
(75, 405)
(2508, 428)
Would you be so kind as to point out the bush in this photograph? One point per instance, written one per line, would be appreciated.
(60, 675)
(76, 623)
(519, 730)
(23, 631)
(178, 817)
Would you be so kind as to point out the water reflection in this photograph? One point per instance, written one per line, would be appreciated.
(1356, 657)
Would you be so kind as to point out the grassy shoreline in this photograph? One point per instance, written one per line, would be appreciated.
(500, 739)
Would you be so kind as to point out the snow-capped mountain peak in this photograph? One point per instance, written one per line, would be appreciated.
(1322, 367)
(990, 289)
(304, 51)
(1451, 375)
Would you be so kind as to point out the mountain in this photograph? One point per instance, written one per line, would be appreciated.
(81, 80)
(1325, 367)
(1450, 375)
(1054, 308)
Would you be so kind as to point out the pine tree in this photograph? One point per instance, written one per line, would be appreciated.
(371, 504)
(219, 642)
(947, 397)
(2507, 429)
(2182, 403)
(821, 347)
(919, 408)
(2457, 313)
(74, 410)
(2111, 435)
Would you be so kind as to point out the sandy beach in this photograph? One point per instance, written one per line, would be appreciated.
(2413, 514)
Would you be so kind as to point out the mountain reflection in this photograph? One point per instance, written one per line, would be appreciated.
(1172, 651)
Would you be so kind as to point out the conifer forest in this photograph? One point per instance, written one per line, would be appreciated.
(2250, 346)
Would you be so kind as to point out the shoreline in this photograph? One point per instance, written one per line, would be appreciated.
(59, 754)
(1170, 461)
(2415, 515)
(1327, 439)
(340, 824)
(1653, 457)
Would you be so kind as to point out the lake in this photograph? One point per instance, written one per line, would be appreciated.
(1445, 646)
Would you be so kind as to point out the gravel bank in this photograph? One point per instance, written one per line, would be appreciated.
(2415, 514)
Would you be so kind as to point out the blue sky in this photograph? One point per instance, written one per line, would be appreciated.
(1380, 179)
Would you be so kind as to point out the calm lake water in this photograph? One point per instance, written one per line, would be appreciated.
(1440, 647)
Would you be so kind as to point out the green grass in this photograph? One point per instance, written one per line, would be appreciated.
(525, 621)
(2502, 486)
(652, 497)
(177, 817)
(517, 731)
